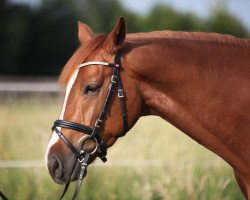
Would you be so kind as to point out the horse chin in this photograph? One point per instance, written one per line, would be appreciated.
(76, 173)
(60, 181)
(74, 176)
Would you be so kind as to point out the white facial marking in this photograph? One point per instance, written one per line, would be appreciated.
(54, 138)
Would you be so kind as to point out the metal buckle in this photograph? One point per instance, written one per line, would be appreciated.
(81, 159)
(113, 79)
(120, 93)
(98, 123)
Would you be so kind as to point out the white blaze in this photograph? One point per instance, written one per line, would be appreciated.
(54, 138)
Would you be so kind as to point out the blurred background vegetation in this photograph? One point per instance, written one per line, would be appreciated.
(140, 166)
(38, 40)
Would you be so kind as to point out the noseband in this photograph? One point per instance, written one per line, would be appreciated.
(100, 150)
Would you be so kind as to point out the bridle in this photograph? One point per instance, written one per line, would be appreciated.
(100, 150)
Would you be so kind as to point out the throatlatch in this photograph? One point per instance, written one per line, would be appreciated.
(93, 133)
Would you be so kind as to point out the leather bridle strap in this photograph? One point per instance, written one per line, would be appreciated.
(121, 95)
(74, 126)
(68, 183)
(67, 142)
(3, 196)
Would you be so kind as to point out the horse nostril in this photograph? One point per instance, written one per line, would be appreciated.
(57, 167)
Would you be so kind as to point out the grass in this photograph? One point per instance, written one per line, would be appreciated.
(189, 171)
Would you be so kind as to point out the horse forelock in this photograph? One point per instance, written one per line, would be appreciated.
(80, 55)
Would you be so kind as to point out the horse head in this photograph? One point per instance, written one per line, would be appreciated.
(93, 116)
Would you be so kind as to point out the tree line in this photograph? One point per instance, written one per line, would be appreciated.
(39, 40)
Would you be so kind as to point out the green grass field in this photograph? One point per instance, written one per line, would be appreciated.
(188, 170)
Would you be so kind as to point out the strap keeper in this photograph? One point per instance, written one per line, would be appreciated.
(120, 93)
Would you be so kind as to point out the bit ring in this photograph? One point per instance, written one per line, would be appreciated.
(84, 139)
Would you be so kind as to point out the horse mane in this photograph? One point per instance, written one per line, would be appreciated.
(80, 55)
(191, 36)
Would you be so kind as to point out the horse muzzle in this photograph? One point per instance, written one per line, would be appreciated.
(65, 167)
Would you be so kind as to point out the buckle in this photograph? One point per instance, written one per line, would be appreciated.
(120, 93)
(81, 156)
(81, 159)
(113, 79)
(98, 123)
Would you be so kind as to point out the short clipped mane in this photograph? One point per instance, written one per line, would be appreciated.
(191, 36)
(81, 54)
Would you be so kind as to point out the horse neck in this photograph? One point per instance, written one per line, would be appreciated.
(176, 69)
(186, 82)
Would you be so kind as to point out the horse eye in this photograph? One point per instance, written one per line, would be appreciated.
(91, 89)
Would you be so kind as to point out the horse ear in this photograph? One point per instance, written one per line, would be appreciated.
(84, 33)
(116, 37)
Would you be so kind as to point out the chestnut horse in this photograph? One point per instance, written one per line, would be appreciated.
(199, 82)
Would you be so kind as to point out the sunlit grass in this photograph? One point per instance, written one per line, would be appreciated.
(188, 170)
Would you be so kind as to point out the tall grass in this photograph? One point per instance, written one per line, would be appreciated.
(188, 170)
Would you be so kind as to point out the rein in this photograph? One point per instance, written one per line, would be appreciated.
(100, 150)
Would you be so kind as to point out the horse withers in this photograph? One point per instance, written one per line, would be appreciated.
(199, 82)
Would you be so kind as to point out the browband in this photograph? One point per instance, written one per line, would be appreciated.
(98, 63)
